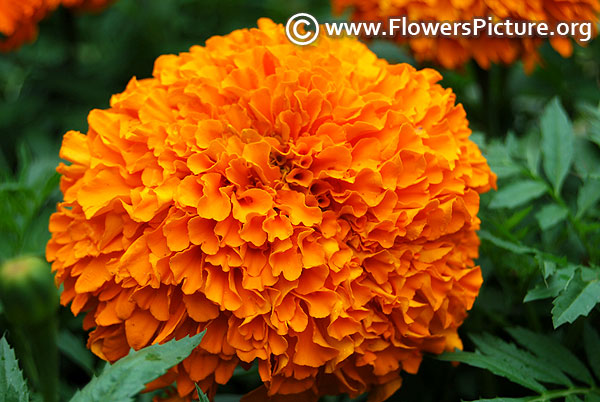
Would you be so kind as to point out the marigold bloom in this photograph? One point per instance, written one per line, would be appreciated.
(454, 52)
(312, 208)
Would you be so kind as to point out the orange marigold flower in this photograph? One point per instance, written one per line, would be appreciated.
(312, 208)
(19, 19)
(454, 52)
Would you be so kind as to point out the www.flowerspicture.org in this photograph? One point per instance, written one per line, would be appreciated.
(303, 29)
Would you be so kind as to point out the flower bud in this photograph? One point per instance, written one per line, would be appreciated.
(27, 290)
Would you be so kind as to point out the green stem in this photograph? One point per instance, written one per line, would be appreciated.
(18, 340)
(45, 353)
(37, 350)
(495, 105)
(549, 395)
(489, 108)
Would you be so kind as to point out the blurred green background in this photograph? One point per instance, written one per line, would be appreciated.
(80, 60)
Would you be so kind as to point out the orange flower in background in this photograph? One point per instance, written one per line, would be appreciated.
(312, 208)
(452, 53)
(19, 18)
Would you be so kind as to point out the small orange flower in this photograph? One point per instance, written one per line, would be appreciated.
(312, 208)
(452, 53)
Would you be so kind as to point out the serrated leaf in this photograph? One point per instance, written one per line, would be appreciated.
(503, 400)
(495, 366)
(13, 387)
(543, 291)
(521, 361)
(591, 343)
(551, 214)
(557, 143)
(578, 299)
(121, 381)
(555, 285)
(588, 196)
(519, 193)
(561, 357)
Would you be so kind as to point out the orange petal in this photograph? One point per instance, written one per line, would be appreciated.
(140, 328)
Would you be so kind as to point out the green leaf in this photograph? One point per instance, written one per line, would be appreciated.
(587, 163)
(201, 395)
(550, 215)
(592, 118)
(516, 248)
(578, 299)
(517, 218)
(533, 153)
(503, 400)
(517, 194)
(513, 145)
(543, 291)
(592, 397)
(591, 343)
(520, 360)
(121, 381)
(557, 143)
(547, 267)
(560, 357)
(555, 285)
(588, 196)
(500, 160)
(494, 365)
(506, 171)
(13, 387)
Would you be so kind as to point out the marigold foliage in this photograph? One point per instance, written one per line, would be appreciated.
(19, 18)
(312, 208)
(454, 52)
